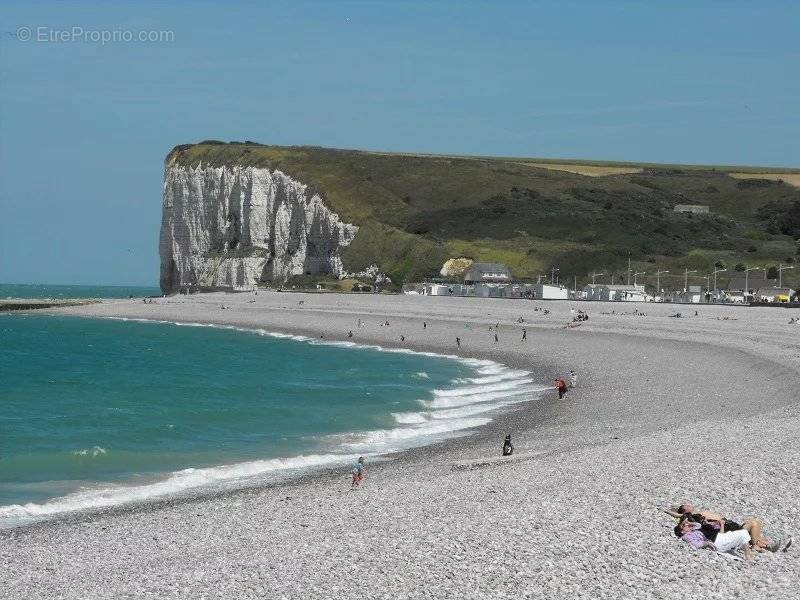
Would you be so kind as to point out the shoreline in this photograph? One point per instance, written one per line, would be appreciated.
(630, 437)
(307, 473)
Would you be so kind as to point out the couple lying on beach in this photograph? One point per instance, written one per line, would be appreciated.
(713, 531)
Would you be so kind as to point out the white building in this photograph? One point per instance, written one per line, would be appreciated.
(615, 293)
(546, 291)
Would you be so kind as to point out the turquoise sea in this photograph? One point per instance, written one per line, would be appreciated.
(100, 412)
(59, 292)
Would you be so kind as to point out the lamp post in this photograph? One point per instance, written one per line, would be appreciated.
(596, 275)
(686, 279)
(781, 269)
(715, 281)
(658, 281)
(635, 275)
(746, 281)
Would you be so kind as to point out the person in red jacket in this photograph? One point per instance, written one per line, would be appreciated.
(561, 386)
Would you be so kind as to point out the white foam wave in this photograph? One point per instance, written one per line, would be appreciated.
(93, 451)
(180, 481)
(507, 385)
(391, 440)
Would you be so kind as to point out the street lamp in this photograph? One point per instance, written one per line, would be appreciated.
(658, 281)
(686, 279)
(596, 275)
(746, 285)
(781, 269)
(715, 281)
(637, 274)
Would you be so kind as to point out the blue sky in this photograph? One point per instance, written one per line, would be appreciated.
(84, 126)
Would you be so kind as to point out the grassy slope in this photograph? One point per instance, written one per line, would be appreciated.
(417, 210)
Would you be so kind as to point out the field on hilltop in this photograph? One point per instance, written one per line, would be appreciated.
(415, 211)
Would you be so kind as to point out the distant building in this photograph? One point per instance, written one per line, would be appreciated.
(615, 293)
(698, 209)
(546, 291)
(693, 295)
(487, 273)
(774, 294)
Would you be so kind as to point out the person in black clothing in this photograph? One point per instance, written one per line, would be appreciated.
(508, 447)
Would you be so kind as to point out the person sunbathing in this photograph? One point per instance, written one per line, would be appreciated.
(699, 537)
(712, 521)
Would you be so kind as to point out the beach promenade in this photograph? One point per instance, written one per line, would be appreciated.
(700, 408)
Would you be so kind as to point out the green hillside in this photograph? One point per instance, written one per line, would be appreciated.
(415, 211)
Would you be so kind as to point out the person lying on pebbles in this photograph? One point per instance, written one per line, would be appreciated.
(713, 524)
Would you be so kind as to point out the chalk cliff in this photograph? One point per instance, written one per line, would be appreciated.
(232, 227)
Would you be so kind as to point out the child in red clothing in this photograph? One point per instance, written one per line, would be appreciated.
(561, 386)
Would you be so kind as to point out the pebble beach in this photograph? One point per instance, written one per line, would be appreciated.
(701, 408)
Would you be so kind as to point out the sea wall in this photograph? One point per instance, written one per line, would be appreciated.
(232, 227)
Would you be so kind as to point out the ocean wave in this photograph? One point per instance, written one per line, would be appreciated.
(175, 483)
(93, 451)
(401, 438)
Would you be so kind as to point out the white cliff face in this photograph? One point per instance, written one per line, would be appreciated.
(232, 227)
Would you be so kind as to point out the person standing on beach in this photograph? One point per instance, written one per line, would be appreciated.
(495, 338)
(573, 379)
(358, 471)
(424, 324)
(561, 386)
(524, 334)
(508, 447)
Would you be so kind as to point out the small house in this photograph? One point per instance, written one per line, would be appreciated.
(487, 273)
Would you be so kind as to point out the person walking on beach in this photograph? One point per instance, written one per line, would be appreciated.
(524, 334)
(458, 341)
(424, 324)
(358, 471)
(573, 379)
(495, 338)
(561, 386)
(508, 447)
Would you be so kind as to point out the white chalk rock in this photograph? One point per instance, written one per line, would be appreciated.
(233, 227)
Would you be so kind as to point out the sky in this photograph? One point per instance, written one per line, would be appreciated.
(85, 122)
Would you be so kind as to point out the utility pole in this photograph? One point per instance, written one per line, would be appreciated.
(635, 275)
(596, 275)
(715, 281)
(686, 279)
(746, 281)
(629, 268)
(658, 281)
(781, 269)
(553, 275)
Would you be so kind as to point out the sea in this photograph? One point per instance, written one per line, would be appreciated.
(61, 292)
(104, 412)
